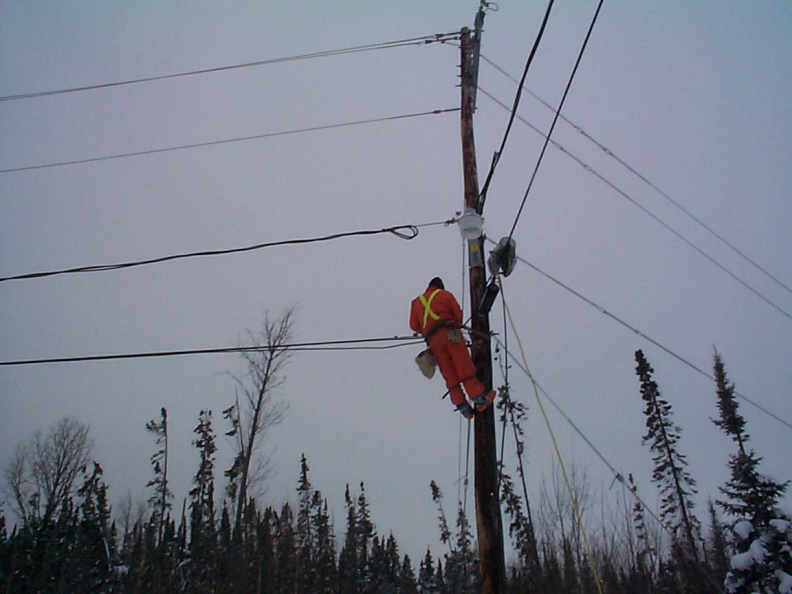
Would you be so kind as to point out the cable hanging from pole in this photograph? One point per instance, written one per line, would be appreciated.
(425, 40)
(231, 140)
(499, 152)
(555, 119)
(645, 336)
(635, 172)
(651, 215)
(406, 232)
(326, 345)
(617, 475)
(572, 497)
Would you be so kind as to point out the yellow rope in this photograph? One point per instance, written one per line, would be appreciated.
(555, 445)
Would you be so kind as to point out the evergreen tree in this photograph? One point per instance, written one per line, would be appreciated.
(717, 546)
(96, 540)
(348, 562)
(675, 483)
(286, 551)
(304, 536)
(365, 533)
(643, 570)
(225, 551)
(161, 495)
(442, 586)
(203, 532)
(407, 583)
(266, 552)
(521, 532)
(427, 578)
(762, 533)
(462, 566)
(391, 565)
(324, 543)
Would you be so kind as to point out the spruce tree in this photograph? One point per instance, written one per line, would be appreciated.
(161, 496)
(96, 542)
(348, 562)
(427, 578)
(407, 583)
(324, 545)
(366, 534)
(286, 551)
(762, 533)
(304, 535)
(462, 566)
(676, 485)
(521, 532)
(717, 553)
(203, 532)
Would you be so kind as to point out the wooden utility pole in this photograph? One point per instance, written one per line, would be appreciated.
(488, 515)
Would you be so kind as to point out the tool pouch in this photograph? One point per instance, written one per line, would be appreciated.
(454, 335)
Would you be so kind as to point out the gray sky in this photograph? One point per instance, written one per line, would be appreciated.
(693, 96)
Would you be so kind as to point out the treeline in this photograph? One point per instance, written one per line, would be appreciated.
(67, 538)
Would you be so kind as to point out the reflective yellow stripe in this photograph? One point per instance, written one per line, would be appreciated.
(427, 303)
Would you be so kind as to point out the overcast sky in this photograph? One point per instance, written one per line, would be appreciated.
(694, 96)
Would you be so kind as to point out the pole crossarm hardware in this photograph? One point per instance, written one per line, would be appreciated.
(489, 522)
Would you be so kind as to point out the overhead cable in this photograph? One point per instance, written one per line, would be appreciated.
(640, 176)
(440, 37)
(496, 157)
(643, 335)
(617, 476)
(406, 232)
(573, 499)
(555, 118)
(326, 345)
(646, 211)
(230, 140)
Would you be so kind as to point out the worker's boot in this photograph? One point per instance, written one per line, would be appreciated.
(482, 401)
(466, 410)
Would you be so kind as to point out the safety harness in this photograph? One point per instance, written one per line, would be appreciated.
(429, 313)
(427, 303)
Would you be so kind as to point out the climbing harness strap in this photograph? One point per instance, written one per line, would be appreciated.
(436, 328)
(427, 303)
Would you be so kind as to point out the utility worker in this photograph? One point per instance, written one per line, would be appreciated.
(436, 315)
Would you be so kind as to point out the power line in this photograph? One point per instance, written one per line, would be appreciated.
(640, 176)
(326, 345)
(497, 155)
(406, 232)
(643, 335)
(646, 211)
(555, 118)
(617, 476)
(230, 140)
(440, 37)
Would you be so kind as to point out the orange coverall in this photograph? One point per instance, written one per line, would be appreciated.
(449, 349)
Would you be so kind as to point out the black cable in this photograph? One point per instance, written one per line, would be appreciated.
(646, 211)
(643, 335)
(496, 157)
(617, 476)
(406, 232)
(640, 176)
(229, 140)
(335, 345)
(440, 37)
(555, 119)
